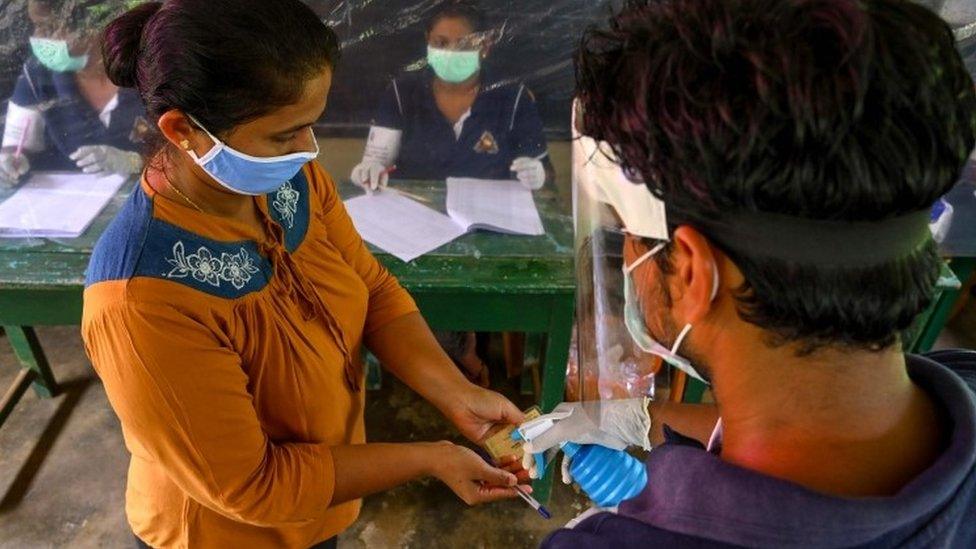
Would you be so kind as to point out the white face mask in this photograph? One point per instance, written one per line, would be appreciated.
(637, 327)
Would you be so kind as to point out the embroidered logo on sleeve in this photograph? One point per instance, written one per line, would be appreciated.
(486, 144)
(237, 269)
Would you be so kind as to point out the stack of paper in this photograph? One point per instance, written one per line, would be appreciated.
(399, 225)
(408, 229)
(56, 205)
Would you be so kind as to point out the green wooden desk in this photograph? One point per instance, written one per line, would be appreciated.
(480, 282)
(959, 246)
(41, 281)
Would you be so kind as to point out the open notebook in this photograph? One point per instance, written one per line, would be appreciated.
(408, 229)
(56, 205)
(494, 205)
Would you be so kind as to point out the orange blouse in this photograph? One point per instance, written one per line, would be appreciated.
(232, 359)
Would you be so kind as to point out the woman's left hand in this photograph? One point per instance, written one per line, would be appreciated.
(103, 159)
(475, 410)
(513, 464)
(530, 171)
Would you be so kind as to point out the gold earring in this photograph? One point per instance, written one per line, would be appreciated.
(185, 144)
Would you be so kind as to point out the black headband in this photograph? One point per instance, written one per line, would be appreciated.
(818, 242)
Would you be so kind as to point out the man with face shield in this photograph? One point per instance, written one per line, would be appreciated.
(796, 148)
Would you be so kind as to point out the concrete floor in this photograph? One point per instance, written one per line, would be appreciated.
(63, 463)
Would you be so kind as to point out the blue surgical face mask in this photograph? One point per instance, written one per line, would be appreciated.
(453, 66)
(637, 327)
(246, 174)
(55, 55)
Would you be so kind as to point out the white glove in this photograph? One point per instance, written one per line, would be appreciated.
(106, 159)
(12, 168)
(382, 150)
(370, 175)
(530, 172)
(622, 423)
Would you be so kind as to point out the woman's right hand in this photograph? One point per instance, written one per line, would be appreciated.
(470, 476)
(370, 175)
(12, 168)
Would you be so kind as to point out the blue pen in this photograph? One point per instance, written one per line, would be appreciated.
(539, 508)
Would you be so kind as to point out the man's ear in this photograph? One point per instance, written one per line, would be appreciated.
(695, 265)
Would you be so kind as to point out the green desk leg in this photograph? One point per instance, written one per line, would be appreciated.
(694, 391)
(532, 363)
(963, 267)
(31, 355)
(556, 353)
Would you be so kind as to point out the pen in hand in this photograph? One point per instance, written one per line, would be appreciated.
(13, 164)
(526, 497)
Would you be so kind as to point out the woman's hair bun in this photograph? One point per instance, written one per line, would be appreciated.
(121, 44)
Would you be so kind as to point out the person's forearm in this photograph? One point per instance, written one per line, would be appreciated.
(365, 469)
(692, 420)
(408, 349)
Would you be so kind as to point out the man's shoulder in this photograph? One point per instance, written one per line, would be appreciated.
(962, 362)
(618, 531)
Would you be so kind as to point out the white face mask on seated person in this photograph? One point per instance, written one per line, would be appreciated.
(453, 66)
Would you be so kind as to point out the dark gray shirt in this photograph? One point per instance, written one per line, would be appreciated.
(694, 499)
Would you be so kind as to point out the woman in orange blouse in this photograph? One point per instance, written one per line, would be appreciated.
(226, 306)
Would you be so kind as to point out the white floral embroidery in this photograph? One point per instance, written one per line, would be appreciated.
(204, 267)
(286, 203)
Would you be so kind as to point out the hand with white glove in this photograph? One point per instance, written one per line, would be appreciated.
(12, 168)
(370, 175)
(103, 159)
(621, 423)
(530, 171)
(382, 150)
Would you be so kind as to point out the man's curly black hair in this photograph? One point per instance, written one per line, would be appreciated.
(822, 109)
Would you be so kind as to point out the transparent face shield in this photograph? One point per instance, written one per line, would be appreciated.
(607, 206)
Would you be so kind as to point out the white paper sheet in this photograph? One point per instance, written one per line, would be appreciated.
(401, 226)
(56, 205)
(496, 205)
